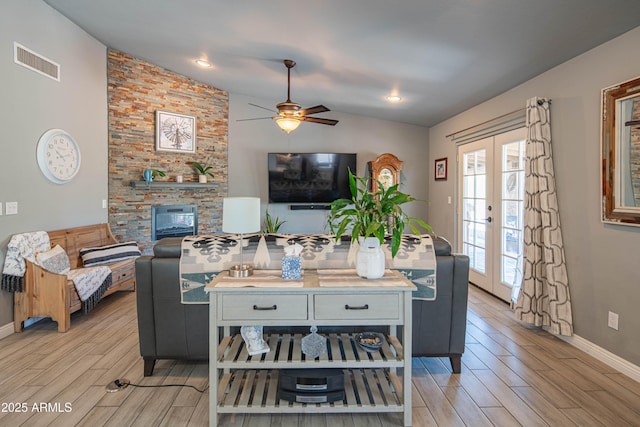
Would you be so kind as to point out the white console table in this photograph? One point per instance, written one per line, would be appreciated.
(249, 384)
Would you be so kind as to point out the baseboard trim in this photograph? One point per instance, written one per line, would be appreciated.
(6, 330)
(606, 357)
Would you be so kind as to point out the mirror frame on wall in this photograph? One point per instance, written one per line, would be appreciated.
(620, 123)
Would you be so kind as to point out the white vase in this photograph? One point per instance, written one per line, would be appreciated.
(370, 258)
(202, 179)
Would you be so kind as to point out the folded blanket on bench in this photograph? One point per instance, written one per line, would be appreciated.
(90, 283)
(22, 246)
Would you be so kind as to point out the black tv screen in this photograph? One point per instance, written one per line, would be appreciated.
(310, 177)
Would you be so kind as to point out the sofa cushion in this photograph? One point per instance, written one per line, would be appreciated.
(109, 253)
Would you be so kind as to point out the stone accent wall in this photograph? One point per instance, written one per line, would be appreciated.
(136, 89)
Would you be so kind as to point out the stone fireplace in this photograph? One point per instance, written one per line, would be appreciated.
(136, 90)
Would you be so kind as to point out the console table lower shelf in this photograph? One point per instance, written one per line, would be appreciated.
(256, 391)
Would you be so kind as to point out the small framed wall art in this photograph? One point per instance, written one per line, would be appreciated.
(440, 168)
(175, 132)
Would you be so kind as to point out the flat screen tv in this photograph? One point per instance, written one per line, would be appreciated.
(309, 177)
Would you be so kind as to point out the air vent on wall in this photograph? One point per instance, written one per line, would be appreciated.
(36, 62)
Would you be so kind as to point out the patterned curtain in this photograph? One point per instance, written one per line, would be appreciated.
(544, 298)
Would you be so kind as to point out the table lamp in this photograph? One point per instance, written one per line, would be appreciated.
(241, 215)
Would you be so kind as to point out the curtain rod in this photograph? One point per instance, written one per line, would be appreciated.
(519, 110)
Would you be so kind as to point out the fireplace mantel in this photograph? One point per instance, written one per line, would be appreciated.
(167, 184)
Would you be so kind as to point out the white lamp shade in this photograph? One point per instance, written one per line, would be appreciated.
(241, 214)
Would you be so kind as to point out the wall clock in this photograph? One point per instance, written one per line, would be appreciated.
(386, 170)
(58, 156)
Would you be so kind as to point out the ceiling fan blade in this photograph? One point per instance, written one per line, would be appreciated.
(264, 108)
(314, 110)
(329, 122)
(257, 118)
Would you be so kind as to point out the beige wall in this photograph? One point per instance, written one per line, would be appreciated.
(602, 260)
(32, 104)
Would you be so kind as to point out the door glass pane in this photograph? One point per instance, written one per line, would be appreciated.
(468, 250)
(513, 161)
(469, 188)
(480, 210)
(512, 165)
(479, 235)
(481, 162)
(481, 186)
(469, 164)
(512, 214)
(510, 185)
(469, 232)
(509, 268)
(474, 208)
(479, 260)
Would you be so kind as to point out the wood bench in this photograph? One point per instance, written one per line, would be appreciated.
(47, 294)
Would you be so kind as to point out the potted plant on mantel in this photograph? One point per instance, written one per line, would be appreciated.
(150, 174)
(369, 217)
(203, 171)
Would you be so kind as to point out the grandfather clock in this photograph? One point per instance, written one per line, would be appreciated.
(385, 169)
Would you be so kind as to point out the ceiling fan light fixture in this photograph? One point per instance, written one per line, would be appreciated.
(203, 63)
(287, 124)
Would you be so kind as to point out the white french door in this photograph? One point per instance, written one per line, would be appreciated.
(491, 209)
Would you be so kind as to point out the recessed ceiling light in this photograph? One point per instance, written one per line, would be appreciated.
(393, 98)
(203, 63)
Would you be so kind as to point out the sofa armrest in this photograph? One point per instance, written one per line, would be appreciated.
(459, 302)
(144, 300)
(439, 326)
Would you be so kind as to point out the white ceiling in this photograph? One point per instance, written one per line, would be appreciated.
(441, 56)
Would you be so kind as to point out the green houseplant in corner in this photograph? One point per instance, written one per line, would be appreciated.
(369, 217)
(203, 171)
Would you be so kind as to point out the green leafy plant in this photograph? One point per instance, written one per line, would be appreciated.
(202, 169)
(271, 224)
(373, 214)
(157, 172)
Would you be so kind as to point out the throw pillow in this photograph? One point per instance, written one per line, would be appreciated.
(54, 260)
(109, 253)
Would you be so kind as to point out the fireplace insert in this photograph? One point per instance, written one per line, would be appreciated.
(173, 221)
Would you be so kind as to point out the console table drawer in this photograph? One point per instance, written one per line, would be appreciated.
(357, 306)
(263, 307)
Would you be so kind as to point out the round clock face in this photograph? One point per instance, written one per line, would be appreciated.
(58, 156)
(386, 178)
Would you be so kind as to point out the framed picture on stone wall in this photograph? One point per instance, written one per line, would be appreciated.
(175, 132)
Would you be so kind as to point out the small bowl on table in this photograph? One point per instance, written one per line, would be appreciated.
(370, 341)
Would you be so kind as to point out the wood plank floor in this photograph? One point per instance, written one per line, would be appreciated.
(511, 375)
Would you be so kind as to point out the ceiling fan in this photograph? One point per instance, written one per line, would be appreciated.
(290, 113)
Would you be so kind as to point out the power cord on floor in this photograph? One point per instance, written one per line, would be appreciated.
(122, 383)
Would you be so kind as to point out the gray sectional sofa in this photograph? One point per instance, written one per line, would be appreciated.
(169, 329)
